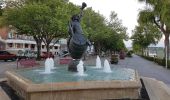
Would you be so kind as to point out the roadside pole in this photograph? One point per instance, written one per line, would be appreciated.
(166, 57)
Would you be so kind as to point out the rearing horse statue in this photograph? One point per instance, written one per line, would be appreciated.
(77, 42)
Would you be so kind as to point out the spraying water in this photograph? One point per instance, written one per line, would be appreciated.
(47, 66)
(80, 68)
(51, 63)
(107, 67)
(98, 62)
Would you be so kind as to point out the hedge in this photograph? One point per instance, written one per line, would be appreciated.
(156, 60)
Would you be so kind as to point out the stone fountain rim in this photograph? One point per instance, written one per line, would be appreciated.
(29, 86)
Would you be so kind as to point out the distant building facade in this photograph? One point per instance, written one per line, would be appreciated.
(12, 42)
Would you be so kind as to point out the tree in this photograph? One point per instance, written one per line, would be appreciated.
(106, 35)
(116, 24)
(157, 13)
(1, 13)
(94, 27)
(143, 36)
(42, 20)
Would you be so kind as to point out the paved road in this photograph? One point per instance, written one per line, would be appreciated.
(4, 66)
(146, 68)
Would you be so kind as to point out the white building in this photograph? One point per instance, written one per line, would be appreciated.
(13, 42)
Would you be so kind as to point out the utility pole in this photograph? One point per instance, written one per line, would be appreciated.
(166, 59)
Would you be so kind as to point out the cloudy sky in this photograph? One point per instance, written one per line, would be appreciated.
(127, 11)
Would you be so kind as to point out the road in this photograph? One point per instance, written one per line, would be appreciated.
(4, 66)
(146, 68)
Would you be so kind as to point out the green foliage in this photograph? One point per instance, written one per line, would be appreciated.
(129, 54)
(145, 35)
(42, 19)
(1, 10)
(107, 35)
(33, 19)
(157, 13)
(48, 19)
(146, 16)
(159, 61)
(116, 24)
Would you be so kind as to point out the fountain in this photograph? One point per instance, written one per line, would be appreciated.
(62, 84)
(107, 66)
(80, 69)
(98, 62)
(47, 66)
(52, 63)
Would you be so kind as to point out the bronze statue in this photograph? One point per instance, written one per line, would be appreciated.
(77, 42)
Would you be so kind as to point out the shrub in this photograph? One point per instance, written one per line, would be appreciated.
(159, 61)
(129, 54)
(148, 58)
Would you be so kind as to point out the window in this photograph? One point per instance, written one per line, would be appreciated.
(10, 35)
(32, 46)
(26, 45)
(43, 46)
(10, 45)
(51, 47)
(56, 47)
(18, 45)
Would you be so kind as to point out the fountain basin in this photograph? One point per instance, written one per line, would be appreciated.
(74, 89)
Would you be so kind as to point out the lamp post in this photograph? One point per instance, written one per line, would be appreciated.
(166, 52)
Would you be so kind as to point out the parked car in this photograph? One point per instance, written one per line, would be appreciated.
(122, 54)
(114, 59)
(24, 53)
(5, 55)
(64, 53)
(45, 55)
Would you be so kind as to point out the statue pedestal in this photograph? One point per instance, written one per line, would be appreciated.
(73, 65)
(65, 60)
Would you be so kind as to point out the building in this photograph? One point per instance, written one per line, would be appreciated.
(12, 42)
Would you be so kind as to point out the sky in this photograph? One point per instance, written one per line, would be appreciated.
(127, 11)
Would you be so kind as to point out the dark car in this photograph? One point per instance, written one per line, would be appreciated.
(64, 53)
(122, 54)
(4, 55)
(114, 59)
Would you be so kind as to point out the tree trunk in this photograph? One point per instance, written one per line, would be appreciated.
(110, 52)
(142, 52)
(48, 49)
(97, 48)
(166, 45)
(147, 51)
(39, 50)
(38, 42)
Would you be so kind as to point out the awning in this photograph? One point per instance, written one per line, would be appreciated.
(20, 41)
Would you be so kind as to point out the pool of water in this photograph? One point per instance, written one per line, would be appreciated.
(60, 74)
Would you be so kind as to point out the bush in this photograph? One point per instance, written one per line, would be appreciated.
(163, 63)
(129, 54)
(148, 58)
(157, 60)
